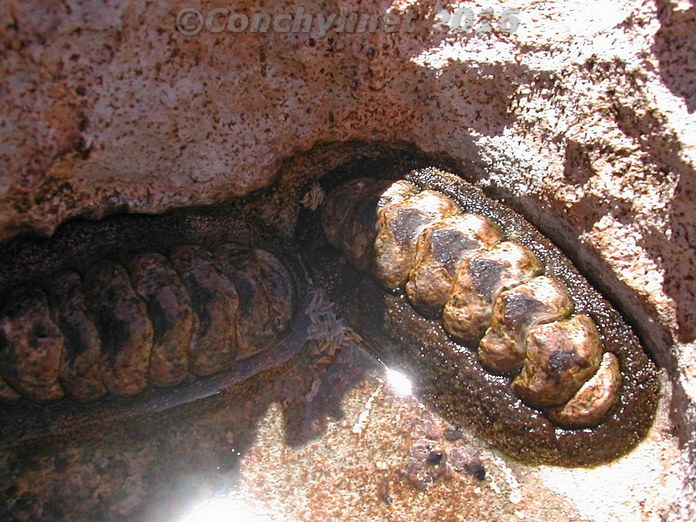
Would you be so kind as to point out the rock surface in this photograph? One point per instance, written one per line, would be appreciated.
(582, 118)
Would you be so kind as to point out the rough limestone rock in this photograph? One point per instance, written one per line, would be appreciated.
(582, 118)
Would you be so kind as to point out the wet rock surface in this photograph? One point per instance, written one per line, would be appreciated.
(309, 440)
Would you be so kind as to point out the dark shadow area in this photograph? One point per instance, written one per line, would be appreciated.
(675, 48)
(673, 249)
(578, 168)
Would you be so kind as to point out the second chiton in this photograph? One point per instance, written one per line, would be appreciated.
(465, 290)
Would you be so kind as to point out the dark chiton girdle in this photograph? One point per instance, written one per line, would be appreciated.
(496, 324)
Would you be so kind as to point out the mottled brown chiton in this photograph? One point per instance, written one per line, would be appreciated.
(124, 325)
(560, 357)
(482, 276)
(442, 250)
(171, 312)
(215, 303)
(491, 289)
(503, 347)
(152, 320)
(265, 292)
(399, 226)
(594, 399)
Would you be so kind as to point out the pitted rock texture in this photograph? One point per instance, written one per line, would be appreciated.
(583, 118)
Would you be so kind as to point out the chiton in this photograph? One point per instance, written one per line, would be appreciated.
(151, 321)
(135, 314)
(501, 330)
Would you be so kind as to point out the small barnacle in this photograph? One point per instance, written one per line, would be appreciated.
(452, 434)
(420, 450)
(467, 460)
(418, 474)
(426, 465)
(435, 457)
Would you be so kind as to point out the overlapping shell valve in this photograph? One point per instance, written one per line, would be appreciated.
(116, 329)
(490, 293)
